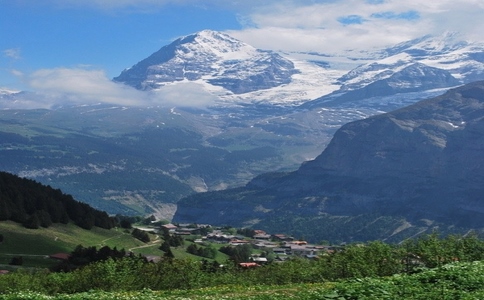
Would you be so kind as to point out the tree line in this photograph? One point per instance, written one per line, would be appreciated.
(35, 205)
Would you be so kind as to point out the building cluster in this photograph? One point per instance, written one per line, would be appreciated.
(282, 246)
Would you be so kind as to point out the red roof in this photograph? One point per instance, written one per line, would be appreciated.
(169, 226)
(236, 241)
(249, 265)
(61, 256)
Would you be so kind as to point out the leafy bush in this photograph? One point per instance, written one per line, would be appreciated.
(141, 235)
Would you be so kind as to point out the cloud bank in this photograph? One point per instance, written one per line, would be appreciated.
(80, 86)
(334, 26)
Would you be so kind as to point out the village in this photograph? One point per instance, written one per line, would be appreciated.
(267, 247)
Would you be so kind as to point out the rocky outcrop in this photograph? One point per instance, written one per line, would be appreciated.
(423, 160)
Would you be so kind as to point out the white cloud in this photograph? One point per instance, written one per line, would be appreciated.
(17, 73)
(83, 86)
(320, 27)
(188, 94)
(13, 53)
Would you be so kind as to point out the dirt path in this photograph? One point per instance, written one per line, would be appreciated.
(150, 244)
(111, 238)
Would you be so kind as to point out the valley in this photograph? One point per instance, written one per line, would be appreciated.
(255, 150)
(260, 112)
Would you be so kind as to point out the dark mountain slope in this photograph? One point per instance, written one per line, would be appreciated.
(33, 204)
(406, 171)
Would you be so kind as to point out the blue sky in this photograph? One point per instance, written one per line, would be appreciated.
(34, 36)
(52, 39)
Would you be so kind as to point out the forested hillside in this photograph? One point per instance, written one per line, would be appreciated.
(35, 205)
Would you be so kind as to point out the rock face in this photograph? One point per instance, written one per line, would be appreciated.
(213, 57)
(412, 78)
(422, 162)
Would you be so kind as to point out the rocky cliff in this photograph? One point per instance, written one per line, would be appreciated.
(422, 162)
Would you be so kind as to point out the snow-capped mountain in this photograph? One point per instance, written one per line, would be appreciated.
(12, 99)
(235, 72)
(420, 65)
(212, 57)
(191, 149)
(215, 58)
(463, 60)
(230, 69)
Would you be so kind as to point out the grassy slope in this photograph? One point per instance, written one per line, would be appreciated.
(34, 244)
(64, 238)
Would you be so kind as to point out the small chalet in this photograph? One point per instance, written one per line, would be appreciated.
(266, 245)
(258, 231)
(249, 265)
(299, 243)
(280, 251)
(152, 258)
(258, 259)
(282, 238)
(303, 250)
(262, 236)
(237, 242)
(170, 227)
(60, 256)
(219, 238)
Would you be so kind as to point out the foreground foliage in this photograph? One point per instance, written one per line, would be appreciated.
(453, 281)
(426, 268)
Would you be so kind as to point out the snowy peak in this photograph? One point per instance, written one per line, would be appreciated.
(447, 52)
(429, 44)
(211, 58)
(447, 42)
(214, 44)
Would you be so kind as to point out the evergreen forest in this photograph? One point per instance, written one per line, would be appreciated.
(35, 205)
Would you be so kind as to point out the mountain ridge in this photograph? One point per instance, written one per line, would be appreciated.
(417, 163)
(183, 150)
(220, 59)
(236, 72)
